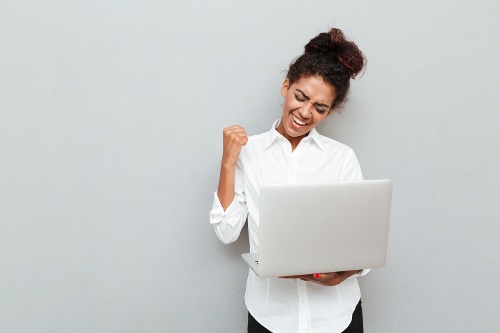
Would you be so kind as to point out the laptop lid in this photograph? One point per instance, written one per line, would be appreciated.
(322, 227)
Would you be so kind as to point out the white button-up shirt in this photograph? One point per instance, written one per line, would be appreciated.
(288, 305)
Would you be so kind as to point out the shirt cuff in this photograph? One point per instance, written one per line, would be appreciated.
(362, 273)
(217, 214)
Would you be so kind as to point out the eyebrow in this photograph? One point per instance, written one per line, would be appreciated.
(308, 98)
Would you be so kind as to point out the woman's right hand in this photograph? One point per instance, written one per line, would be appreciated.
(234, 138)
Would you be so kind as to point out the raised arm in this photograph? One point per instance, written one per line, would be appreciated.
(235, 137)
(229, 211)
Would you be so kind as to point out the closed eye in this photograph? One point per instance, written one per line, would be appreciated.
(299, 98)
(320, 110)
(302, 97)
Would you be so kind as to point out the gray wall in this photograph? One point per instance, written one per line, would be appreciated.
(110, 139)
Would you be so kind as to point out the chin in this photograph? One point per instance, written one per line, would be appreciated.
(296, 134)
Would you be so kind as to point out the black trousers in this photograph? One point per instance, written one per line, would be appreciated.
(356, 325)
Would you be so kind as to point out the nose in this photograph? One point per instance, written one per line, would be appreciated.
(306, 110)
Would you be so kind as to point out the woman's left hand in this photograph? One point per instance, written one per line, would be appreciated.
(325, 279)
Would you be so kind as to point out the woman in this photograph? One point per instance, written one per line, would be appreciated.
(317, 84)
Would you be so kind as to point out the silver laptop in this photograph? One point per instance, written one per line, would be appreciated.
(322, 227)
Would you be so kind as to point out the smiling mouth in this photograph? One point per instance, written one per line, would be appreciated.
(298, 121)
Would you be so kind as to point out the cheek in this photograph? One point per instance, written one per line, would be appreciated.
(320, 118)
(291, 104)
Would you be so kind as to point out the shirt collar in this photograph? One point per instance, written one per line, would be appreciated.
(316, 137)
(313, 135)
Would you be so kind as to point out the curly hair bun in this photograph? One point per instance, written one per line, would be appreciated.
(335, 44)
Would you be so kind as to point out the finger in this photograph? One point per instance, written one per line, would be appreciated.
(233, 127)
(319, 276)
(323, 276)
(234, 131)
(295, 276)
(240, 134)
(239, 137)
(326, 276)
(290, 277)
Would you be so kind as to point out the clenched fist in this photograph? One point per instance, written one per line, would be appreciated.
(234, 138)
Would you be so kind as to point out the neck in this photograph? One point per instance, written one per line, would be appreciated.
(294, 141)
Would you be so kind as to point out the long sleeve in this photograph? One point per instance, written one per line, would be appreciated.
(228, 223)
(351, 169)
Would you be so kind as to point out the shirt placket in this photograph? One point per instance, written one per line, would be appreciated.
(304, 314)
(293, 165)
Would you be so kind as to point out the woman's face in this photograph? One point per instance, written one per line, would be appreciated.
(307, 103)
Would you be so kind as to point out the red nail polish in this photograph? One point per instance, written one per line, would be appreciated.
(316, 275)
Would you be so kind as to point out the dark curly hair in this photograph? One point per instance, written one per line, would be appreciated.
(334, 58)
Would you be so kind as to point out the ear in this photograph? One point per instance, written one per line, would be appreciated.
(284, 87)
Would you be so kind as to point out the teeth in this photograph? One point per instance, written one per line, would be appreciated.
(298, 121)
